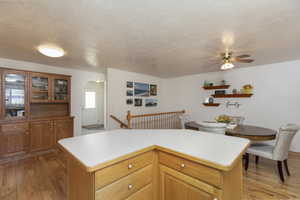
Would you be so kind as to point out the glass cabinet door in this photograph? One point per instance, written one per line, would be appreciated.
(61, 89)
(39, 88)
(14, 95)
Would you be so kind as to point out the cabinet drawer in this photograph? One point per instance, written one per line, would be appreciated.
(126, 186)
(16, 127)
(201, 172)
(111, 173)
(146, 193)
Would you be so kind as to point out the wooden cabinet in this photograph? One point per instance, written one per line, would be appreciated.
(41, 135)
(46, 88)
(14, 95)
(14, 138)
(1, 99)
(63, 128)
(196, 170)
(145, 193)
(61, 89)
(108, 175)
(157, 176)
(40, 88)
(177, 186)
(127, 186)
(34, 111)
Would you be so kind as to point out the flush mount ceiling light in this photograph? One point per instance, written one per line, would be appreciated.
(51, 50)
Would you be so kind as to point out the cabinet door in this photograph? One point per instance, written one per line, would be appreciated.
(1, 98)
(41, 135)
(13, 140)
(63, 129)
(40, 88)
(14, 87)
(61, 89)
(177, 186)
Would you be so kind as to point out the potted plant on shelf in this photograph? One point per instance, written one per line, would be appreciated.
(248, 89)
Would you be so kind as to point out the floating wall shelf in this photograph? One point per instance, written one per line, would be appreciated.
(232, 95)
(211, 104)
(216, 87)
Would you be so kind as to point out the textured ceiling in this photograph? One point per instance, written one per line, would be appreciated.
(165, 38)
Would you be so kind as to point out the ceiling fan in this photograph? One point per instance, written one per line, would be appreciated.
(228, 60)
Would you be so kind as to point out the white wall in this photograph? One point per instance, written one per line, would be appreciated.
(276, 99)
(79, 80)
(116, 94)
(94, 116)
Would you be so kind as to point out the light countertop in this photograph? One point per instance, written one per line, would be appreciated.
(95, 149)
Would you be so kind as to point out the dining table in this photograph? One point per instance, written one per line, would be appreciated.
(253, 133)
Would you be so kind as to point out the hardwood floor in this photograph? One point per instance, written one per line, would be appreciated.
(262, 181)
(37, 178)
(43, 178)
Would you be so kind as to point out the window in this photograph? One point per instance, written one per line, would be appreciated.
(90, 100)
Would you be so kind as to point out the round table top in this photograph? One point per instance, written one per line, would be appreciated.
(254, 133)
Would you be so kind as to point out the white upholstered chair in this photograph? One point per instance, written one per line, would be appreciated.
(212, 127)
(184, 119)
(278, 152)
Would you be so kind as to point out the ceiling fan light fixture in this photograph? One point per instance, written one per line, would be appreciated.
(227, 65)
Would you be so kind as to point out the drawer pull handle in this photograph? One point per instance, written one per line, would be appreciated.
(130, 166)
(182, 165)
(130, 186)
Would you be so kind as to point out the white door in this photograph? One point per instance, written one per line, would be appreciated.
(90, 115)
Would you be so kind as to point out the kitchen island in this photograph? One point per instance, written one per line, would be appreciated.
(154, 165)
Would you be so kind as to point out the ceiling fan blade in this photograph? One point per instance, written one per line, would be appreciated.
(243, 56)
(244, 60)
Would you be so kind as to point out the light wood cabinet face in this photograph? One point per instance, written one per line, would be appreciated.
(40, 88)
(14, 140)
(41, 135)
(145, 193)
(110, 174)
(198, 171)
(176, 189)
(63, 129)
(177, 186)
(127, 186)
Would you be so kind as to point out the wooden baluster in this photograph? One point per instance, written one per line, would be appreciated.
(160, 121)
(129, 119)
(174, 121)
(144, 123)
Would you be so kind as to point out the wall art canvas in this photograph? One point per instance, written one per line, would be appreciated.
(153, 90)
(129, 84)
(151, 102)
(141, 89)
(138, 102)
(129, 93)
(129, 101)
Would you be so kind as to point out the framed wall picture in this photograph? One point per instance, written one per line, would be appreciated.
(141, 89)
(129, 101)
(138, 102)
(150, 102)
(129, 84)
(153, 90)
(129, 93)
